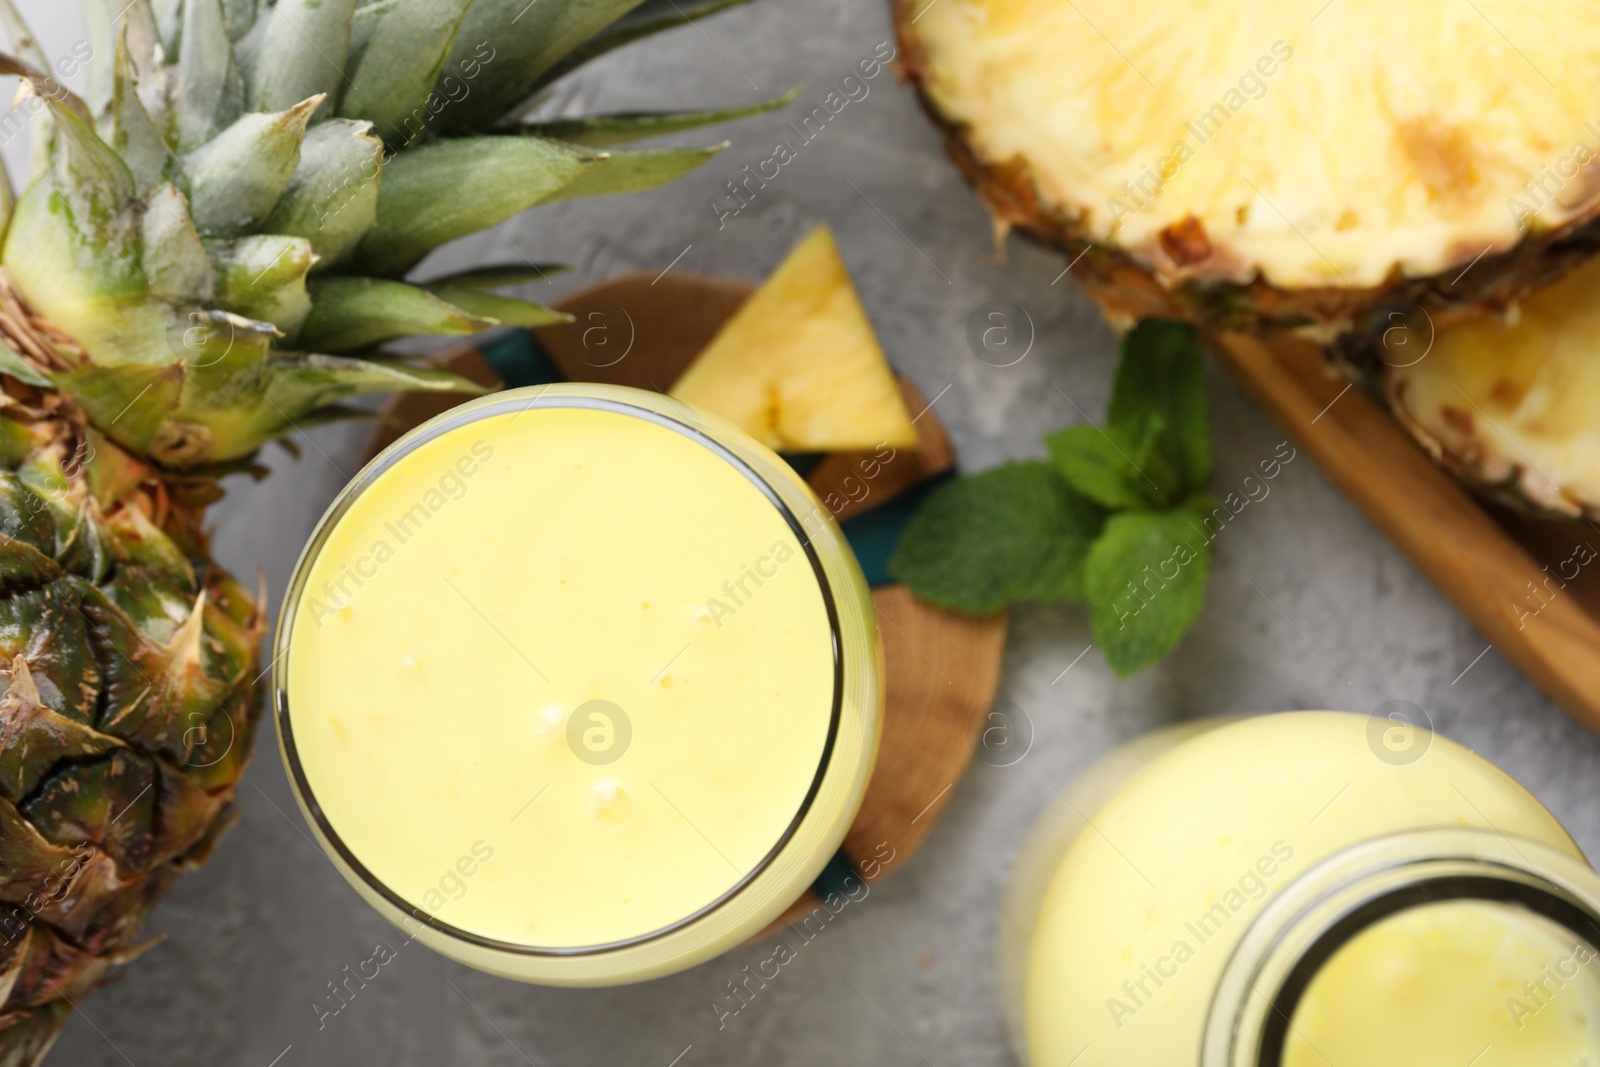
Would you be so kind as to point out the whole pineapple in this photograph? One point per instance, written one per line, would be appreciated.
(207, 253)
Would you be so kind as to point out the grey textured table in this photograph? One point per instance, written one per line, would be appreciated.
(905, 977)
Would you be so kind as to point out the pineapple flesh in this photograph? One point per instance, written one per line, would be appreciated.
(1255, 165)
(211, 250)
(1513, 402)
(798, 368)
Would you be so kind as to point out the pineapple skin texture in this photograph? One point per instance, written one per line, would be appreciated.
(798, 368)
(127, 719)
(1326, 200)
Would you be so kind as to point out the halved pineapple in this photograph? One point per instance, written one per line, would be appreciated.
(798, 367)
(1514, 403)
(1251, 164)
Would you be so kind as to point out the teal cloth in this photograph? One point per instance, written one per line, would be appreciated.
(518, 359)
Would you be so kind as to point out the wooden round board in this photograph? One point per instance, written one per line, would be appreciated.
(942, 668)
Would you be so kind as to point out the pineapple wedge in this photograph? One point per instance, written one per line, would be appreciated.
(799, 368)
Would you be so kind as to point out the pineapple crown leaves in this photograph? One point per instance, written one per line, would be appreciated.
(215, 238)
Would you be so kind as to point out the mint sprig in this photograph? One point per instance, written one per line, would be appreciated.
(1116, 518)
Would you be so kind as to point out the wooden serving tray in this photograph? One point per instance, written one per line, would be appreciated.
(1488, 560)
(942, 668)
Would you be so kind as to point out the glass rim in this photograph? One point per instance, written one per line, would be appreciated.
(1488, 887)
(1288, 943)
(494, 405)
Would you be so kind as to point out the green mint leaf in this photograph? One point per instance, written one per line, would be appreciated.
(1016, 532)
(1146, 582)
(1203, 506)
(1106, 466)
(1160, 382)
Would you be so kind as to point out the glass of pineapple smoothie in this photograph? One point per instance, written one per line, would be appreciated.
(1301, 890)
(578, 685)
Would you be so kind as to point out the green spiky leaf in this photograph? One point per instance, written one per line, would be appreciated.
(223, 356)
(127, 127)
(171, 255)
(263, 277)
(239, 16)
(235, 180)
(442, 191)
(491, 307)
(26, 46)
(16, 443)
(332, 197)
(397, 52)
(169, 23)
(129, 403)
(298, 386)
(72, 239)
(114, 472)
(212, 92)
(283, 70)
(93, 178)
(636, 171)
(138, 19)
(107, 21)
(513, 44)
(598, 131)
(352, 313)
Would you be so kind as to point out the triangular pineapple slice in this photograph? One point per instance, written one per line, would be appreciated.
(798, 368)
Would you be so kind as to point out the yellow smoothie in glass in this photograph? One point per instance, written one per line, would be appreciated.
(1301, 889)
(579, 685)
